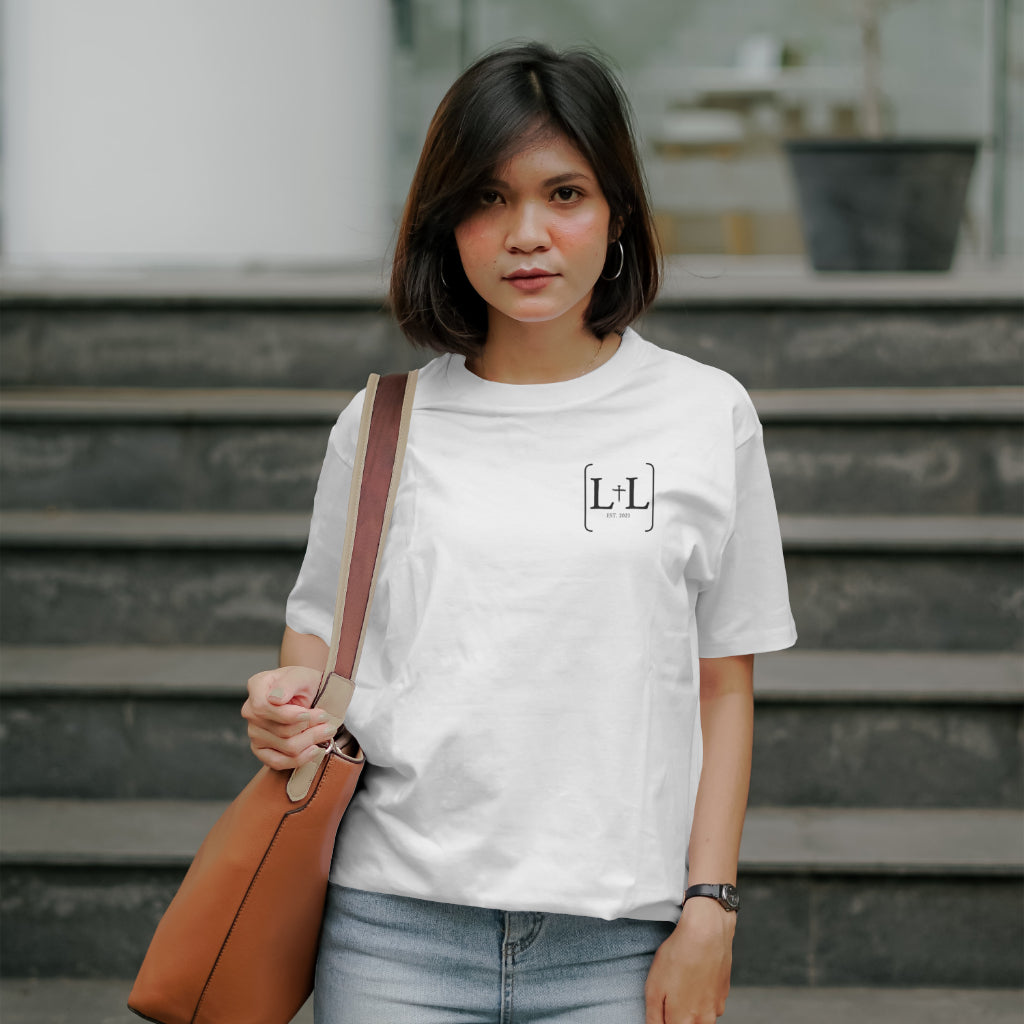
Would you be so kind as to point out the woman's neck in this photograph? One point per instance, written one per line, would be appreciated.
(540, 354)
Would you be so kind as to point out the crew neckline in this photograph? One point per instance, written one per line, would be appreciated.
(499, 394)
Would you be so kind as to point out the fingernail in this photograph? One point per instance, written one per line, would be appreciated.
(323, 717)
(304, 718)
(277, 693)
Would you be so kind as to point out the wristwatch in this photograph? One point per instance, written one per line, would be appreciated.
(726, 895)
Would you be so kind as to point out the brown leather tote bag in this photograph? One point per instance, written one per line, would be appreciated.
(238, 943)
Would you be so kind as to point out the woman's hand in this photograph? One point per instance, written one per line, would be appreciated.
(689, 978)
(284, 730)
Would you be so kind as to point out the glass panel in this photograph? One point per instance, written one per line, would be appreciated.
(717, 84)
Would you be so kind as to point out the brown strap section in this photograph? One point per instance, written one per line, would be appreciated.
(379, 468)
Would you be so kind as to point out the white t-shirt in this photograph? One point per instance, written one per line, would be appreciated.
(559, 557)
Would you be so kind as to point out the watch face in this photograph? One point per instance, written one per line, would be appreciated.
(731, 897)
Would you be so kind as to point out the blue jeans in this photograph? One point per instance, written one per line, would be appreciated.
(395, 960)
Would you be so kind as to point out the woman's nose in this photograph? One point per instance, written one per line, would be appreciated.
(527, 230)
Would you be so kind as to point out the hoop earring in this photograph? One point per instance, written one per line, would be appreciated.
(622, 262)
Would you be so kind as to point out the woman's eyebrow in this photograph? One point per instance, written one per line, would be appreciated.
(561, 179)
(558, 179)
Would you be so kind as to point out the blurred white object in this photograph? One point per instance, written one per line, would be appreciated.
(759, 56)
(701, 127)
(184, 132)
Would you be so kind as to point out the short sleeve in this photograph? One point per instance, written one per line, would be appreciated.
(745, 608)
(310, 605)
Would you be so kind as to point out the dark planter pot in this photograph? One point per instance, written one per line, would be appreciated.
(881, 204)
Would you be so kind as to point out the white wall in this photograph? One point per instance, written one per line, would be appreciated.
(194, 132)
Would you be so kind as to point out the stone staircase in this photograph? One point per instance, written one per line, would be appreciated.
(160, 445)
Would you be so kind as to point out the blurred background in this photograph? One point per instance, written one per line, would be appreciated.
(242, 133)
(197, 200)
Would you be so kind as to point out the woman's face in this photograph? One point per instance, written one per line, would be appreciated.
(537, 239)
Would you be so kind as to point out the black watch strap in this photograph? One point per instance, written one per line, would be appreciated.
(725, 895)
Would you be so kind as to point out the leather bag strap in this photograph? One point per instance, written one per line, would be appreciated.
(375, 479)
(377, 469)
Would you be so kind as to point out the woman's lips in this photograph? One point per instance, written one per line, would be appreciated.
(529, 281)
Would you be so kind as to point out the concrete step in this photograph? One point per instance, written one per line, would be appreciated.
(153, 466)
(855, 897)
(102, 1001)
(794, 676)
(948, 842)
(935, 405)
(861, 345)
(237, 596)
(872, 582)
(870, 469)
(113, 528)
(255, 344)
(895, 450)
(881, 730)
(330, 330)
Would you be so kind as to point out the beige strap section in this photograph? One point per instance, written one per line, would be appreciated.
(335, 701)
(337, 696)
(302, 778)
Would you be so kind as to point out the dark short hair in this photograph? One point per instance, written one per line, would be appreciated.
(503, 101)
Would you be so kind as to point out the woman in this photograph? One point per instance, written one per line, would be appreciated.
(583, 560)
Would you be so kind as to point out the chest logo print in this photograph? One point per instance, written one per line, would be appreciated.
(619, 496)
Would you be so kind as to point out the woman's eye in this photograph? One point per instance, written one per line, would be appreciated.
(566, 194)
(490, 198)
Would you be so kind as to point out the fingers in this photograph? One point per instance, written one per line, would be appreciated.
(283, 752)
(292, 684)
(723, 995)
(684, 987)
(284, 730)
(279, 762)
(294, 745)
(669, 1008)
(655, 1002)
(285, 722)
(281, 694)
